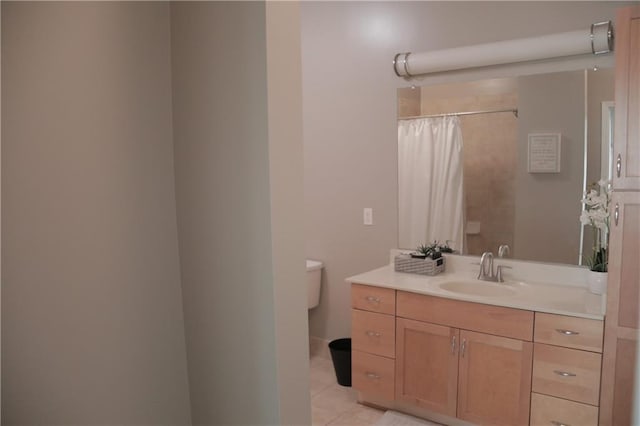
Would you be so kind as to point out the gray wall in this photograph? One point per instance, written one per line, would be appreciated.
(232, 148)
(547, 225)
(286, 170)
(350, 115)
(92, 328)
(600, 89)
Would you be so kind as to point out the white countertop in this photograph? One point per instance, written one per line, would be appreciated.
(573, 300)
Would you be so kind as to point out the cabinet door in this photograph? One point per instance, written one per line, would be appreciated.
(624, 268)
(626, 148)
(621, 324)
(494, 385)
(427, 365)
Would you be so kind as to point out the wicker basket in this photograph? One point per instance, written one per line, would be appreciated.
(406, 263)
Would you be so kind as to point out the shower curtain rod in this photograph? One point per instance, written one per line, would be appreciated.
(456, 114)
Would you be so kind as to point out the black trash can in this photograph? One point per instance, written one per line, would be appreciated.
(341, 356)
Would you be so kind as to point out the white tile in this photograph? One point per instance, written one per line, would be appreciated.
(322, 417)
(332, 404)
(316, 387)
(358, 415)
(335, 397)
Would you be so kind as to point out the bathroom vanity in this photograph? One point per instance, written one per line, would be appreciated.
(513, 353)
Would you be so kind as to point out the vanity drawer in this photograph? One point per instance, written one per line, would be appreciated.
(373, 333)
(566, 373)
(497, 320)
(571, 332)
(550, 411)
(372, 374)
(375, 299)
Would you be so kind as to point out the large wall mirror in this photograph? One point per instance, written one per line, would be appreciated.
(492, 179)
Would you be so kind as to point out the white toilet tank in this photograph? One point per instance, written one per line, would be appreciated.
(314, 275)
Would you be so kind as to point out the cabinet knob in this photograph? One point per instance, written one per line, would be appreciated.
(373, 333)
(372, 376)
(372, 299)
(453, 345)
(557, 423)
(618, 165)
(463, 347)
(564, 373)
(567, 332)
(616, 214)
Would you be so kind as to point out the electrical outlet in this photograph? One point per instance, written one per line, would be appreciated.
(368, 216)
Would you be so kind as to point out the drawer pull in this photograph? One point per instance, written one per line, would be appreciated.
(564, 373)
(372, 299)
(567, 332)
(372, 376)
(464, 346)
(616, 214)
(373, 333)
(618, 165)
(453, 345)
(557, 423)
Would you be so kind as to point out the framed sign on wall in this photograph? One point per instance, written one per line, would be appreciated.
(544, 152)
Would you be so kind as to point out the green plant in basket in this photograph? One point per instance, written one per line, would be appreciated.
(433, 251)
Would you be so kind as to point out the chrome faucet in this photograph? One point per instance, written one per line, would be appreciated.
(486, 269)
(503, 250)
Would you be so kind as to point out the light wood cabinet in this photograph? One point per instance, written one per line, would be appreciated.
(373, 299)
(373, 333)
(373, 340)
(373, 374)
(626, 146)
(427, 365)
(567, 363)
(621, 325)
(566, 373)
(479, 363)
(478, 377)
(569, 332)
(550, 411)
(494, 382)
(498, 320)
(624, 262)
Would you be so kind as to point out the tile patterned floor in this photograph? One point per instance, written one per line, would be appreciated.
(332, 404)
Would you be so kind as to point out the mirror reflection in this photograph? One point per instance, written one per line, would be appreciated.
(474, 173)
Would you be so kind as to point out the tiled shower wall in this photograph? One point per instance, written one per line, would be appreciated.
(490, 154)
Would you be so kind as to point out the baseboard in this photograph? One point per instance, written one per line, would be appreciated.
(319, 347)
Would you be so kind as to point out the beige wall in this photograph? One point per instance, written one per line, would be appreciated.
(350, 112)
(92, 328)
(238, 162)
(409, 100)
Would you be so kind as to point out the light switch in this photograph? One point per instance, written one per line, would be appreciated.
(368, 216)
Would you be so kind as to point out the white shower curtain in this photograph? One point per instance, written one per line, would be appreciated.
(430, 174)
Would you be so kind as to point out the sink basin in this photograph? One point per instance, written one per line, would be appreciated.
(478, 288)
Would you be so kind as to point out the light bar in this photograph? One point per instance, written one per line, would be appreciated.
(596, 40)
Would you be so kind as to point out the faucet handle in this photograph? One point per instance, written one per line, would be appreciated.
(503, 250)
(499, 269)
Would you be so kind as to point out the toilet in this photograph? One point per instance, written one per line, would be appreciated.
(314, 275)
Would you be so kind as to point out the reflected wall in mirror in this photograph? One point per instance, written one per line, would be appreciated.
(535, 214)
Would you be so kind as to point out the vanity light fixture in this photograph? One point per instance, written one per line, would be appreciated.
(596, 40)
